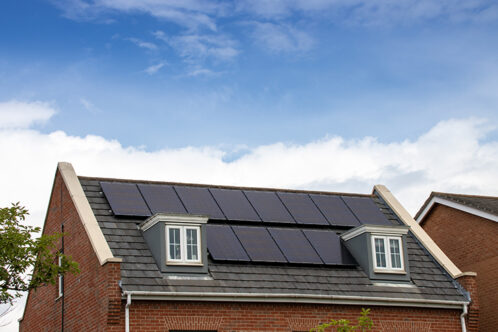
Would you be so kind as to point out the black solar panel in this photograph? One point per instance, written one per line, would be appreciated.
(258, 244)
(234, 204)
(198, 200)
(222, 244)
(125, 199)
(302, 208)
(295, 246)
(269, 206)
(335, 210)
(329, 247)
(161, 198)
(366, 210)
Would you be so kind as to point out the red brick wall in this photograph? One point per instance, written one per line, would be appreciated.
(471, 243)
(88, 295)
(163, 316)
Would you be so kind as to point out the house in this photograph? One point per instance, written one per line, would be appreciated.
(158, 256)
(465, 227)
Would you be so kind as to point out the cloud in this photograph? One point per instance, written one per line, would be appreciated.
(16, 114)
(143, 44)
(89, 106)
(281, 37)
(151, 70)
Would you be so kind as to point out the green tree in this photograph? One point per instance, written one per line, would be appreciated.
(344, 325)
(27, 262)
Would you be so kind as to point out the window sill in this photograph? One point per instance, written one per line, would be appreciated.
(389, 271)
(184, 264)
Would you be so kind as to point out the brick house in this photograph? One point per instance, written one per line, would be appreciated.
(158, 256)
(465, 227)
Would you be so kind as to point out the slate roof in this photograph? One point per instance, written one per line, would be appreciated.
(487, 204)
(140, 273)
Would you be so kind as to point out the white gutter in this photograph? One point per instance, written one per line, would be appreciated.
(127, 313)
(292, 298)
(462, 317)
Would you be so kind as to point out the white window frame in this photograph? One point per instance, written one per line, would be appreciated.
(183, 246)
(60, 278)
(387, 246)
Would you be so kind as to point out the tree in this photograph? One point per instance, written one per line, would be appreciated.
(27, 262)
(343, 325)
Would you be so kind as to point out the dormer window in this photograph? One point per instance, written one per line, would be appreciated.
(183, 244)
(387, 252)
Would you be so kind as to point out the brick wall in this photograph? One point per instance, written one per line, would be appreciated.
(89, 295)
(471, 243)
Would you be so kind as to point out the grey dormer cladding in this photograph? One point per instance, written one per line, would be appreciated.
(139, 271)
(359, 243)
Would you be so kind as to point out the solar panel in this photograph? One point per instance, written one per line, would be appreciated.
(161, 198)
(328, 245)
(234, 204)
(302, 208)
(295, 246)
(258, 244)
(125, 199)
(366, 210)
(269, 206)
(222, 244)
(198, 200)
(335, 210)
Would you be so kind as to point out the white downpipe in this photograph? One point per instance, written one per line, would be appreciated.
(462, 317)
(127, 313)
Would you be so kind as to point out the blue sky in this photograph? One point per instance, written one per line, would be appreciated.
(163, 74)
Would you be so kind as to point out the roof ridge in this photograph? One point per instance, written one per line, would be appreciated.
(435, 193)
(319, 192)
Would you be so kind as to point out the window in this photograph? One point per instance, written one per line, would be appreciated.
(183, 244)
(60, 277)
(387, 253)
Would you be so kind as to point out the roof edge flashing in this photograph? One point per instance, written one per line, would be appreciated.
(418, 231)
(85, 213)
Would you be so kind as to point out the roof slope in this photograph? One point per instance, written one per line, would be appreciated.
(487, 204)
(140, 272)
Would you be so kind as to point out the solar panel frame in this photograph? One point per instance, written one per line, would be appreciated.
(295, 246)
(161, 198)
(335, 210)
(234, 204)
(302, 208)
(329, 247)
(366, 210)
(269, 207)
(259, 244)
(125, 199)
(198, 200)
(223, 244)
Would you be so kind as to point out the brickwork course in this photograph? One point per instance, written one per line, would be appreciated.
(94, 300)
(470, 241)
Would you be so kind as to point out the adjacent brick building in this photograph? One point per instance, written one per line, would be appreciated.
(158, 256)
(465, 227)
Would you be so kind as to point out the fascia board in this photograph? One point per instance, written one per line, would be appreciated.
(173, 218)
(418, 231)
(457, 206)
(375, 229)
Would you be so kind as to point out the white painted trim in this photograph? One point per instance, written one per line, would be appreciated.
(418, 231)
(455, 205)
(183, 245)
(375, 229)
(293, 298)
(389, 284)
(173, 218)
(85, 213)
(387, 252)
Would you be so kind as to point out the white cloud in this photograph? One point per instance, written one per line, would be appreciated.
(16, 114)
(281, 38)
(151, 70)
(89, 106)
(143, 44)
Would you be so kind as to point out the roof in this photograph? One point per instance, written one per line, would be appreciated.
(483, 206)
(141, 274)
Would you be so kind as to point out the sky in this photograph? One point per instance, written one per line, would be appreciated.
(323, 95)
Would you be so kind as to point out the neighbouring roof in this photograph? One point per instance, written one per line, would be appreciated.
(140, 273)
(484, 206)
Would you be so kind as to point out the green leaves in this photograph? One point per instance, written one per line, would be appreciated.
(27, 262)
(343, 325)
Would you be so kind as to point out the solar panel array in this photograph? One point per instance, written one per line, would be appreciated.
(143, 200)
(276, 245)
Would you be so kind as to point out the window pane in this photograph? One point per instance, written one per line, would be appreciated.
(174, 243)
(192, 246)
(380, 253)
(395, 253)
